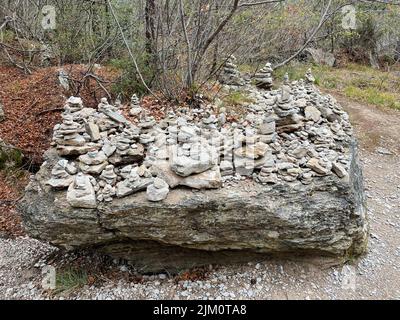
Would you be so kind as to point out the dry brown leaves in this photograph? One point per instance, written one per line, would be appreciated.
(195, 274)
(11, 188)
(32, 104)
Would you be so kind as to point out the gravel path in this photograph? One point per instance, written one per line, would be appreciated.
(374, 276)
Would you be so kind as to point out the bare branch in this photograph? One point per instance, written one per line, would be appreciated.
(251, 4)
(129, 49)
(310, 38)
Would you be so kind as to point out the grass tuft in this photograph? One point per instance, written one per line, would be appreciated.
(373, 96)
(70, 280)
(236, 98)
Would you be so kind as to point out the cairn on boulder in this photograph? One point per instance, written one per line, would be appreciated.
(81, 193)
(230, 74)
(74, 104)
(285, 174)
(263, 78)
(94, 162)
(62, 174)
(158, 191)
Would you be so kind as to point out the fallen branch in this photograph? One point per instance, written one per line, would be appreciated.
(20, 50)
(49, 110)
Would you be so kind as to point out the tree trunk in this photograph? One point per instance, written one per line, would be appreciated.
(150, 16)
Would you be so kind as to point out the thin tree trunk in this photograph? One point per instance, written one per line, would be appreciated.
(321, 23)
(189, 76)
(150, 13)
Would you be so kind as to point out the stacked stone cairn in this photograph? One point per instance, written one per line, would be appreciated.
(290, 135)
(263, 78)
(230, 74)
(135, 108)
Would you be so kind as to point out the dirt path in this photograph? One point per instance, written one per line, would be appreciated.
(375, 276)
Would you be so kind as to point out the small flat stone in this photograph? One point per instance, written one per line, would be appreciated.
(339, 170)
(312, 113)
(93, 131)
(314, 164)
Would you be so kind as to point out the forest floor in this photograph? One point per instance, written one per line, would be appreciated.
(376, 275)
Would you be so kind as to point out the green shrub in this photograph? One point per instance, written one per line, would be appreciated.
(10, 158)
(236, 98)
(129, 81)
(70, 280)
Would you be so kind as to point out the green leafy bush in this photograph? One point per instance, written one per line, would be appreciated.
(129, 81)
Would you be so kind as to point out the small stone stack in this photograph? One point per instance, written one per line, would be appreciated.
(74, 104)
(135, 108)
(108, 176)
(309, 77)
(267, 129)
(62, 175)
(263, 79)
(158, 191)
(127, 151)
(134, 183)
(68, 136)
(268, 173)
(94, 162)
(230, 74)
(81, 193)
(309, 81)
(250, 157)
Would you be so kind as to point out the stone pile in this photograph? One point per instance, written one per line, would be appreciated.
(263, 78)
(171, 194)
(230, 74)
(290, 134)
(135, 108)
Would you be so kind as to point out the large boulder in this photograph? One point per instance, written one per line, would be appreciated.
(200, 227)
(319, 56)
(191, 190)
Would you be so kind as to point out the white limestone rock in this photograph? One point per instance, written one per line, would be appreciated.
(199, 158)
(339, 170)
(210, 179)
(93, 131)
(81, 193)
(316, 166)
(158, 191)
(312, 113)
